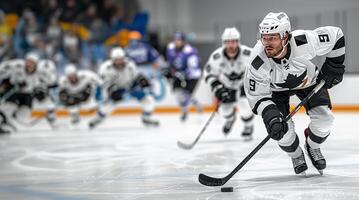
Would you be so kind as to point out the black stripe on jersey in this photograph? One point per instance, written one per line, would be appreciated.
(257, 62)
(210, 76)
(339, 44)
(255, 111)
(246, 52)
(337, 60)
(300, 40)
(292, 147)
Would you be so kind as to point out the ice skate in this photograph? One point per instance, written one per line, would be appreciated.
(247, 133)
(299, 164)
(228, 126)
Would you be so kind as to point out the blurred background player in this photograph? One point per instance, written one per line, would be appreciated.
(20, 78)
(77, 89)
(225, 73)
(184, 71)
(121, 78)
(45, 93)
(282, 66)
(144, 55)
(148, 62)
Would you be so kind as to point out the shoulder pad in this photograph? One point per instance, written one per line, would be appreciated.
(246, 52)
(257, 62)
(216, 56)
(188, 49)
(300, 39)
(171, 45)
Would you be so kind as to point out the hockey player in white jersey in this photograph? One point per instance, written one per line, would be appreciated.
(224, 72)
(45, 92)
(282, 66)
(121, 77)
(77, 90)
(19, 78)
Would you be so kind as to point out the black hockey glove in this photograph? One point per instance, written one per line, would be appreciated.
(40, 93)
(167, 72)
(142, 81)
(85, 94)
(220, 91)
(115, 93)
(331, 73)
(274, 122)
(66, 99)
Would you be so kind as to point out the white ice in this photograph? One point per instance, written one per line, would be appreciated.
(122, 159)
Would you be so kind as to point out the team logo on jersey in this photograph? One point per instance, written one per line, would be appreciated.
(293, 80)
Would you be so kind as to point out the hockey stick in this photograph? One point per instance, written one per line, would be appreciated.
(211, 181)
(190, 146)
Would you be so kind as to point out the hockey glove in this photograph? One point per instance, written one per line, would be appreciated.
(166, 72)
(85, 94)
(142, 81)
(274, 122)
(40, 94)
(220, 91)
(331, 73)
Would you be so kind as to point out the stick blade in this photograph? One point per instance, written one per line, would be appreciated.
(210, 181)
(184, 146)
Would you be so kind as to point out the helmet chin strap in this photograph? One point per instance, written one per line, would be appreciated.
(283, 48)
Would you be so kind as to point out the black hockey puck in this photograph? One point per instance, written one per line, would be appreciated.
(227, 189)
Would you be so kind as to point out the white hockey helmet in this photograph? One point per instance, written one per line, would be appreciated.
(70, 69)
(33, 57)
(231, 34)
(275, 23)
(117, 53)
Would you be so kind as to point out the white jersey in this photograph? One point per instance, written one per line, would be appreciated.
(296, 70)
(15, 71)
(86, 78)
(47, 71)
(120, 78)
(229, 72)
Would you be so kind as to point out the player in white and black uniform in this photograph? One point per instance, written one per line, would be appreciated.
(19, 78)
(120, 77)
(77, 89)
(282, 66)
(224, 72)
(44, 93)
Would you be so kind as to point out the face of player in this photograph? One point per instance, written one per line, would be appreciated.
(30, 66)
(119, 63)
(232, 47)
(73, 78)
(179, 43)
(272, 44)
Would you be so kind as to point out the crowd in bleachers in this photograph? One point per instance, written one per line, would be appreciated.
(68, 31)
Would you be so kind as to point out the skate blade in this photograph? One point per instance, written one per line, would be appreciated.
(247, 138)
(304, 174)
(320, 172)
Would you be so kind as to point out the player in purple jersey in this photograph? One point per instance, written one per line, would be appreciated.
(184, 71)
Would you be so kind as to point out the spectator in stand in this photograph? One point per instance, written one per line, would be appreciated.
(95, 51)
(70, 11)
(50, 9)
(26, 32)
(6, 48)
(107, 10)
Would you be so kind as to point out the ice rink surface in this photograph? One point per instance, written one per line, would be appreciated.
(122, 159)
